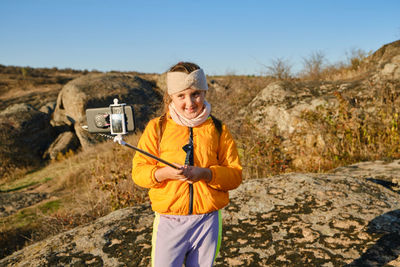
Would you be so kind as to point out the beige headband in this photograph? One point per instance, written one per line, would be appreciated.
(179, 81)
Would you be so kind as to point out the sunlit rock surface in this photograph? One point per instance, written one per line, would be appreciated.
(344, 218)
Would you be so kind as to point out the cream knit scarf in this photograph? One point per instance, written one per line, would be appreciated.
(182, 120)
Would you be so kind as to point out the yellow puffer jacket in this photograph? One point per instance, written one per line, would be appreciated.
(212, 150)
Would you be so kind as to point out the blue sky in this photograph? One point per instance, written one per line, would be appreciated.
(238, 37)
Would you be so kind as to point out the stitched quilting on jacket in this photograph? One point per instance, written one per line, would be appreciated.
(213, 150)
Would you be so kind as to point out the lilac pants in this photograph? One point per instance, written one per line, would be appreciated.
(191, 239)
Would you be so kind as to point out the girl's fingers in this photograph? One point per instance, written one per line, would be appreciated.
(178, 165)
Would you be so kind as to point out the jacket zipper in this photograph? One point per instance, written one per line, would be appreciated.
(190, 161)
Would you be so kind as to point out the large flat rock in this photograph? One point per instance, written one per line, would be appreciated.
(287, 220)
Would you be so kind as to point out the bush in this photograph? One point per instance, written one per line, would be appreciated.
(355, 58)
(280, 69)
(261, 155)
(353, 132)
(112, 174)
(314, 65)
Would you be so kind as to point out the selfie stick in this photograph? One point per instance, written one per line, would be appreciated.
(118, 139)
(116, 114)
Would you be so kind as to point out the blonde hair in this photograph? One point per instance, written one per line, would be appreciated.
(186, 67)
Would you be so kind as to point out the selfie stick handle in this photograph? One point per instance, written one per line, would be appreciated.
(119, 139)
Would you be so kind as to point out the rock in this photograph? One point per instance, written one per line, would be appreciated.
(391, 70)
(25, 133)
(218, 88)
(385, 62)
(309, 220)
(121, 238)
(381, 172)
(99, 90)
(48, 108)
(281, 104)
(65, 141)
(384, 55)
(11, 202)
(386, 171)
(286, 220)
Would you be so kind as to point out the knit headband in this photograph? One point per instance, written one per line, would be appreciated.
(178, 81)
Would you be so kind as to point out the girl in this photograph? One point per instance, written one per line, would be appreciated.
(187, 200)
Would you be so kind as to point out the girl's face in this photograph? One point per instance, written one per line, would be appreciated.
(189, 102)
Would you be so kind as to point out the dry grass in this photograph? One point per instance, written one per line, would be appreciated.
(316, 67)
(32, 85)
(364, 130)
(102, 173)
(261, 155)
(84, 186)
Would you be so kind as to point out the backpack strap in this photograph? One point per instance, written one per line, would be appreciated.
(217, 124)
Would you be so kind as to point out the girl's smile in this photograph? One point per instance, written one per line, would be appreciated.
(189, 102)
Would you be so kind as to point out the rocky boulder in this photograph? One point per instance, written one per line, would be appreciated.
(287, 220)
(281, 105)
(386, 61)
(385, 173)
(98, 90)
(64, 142)
(11, 202)
(391, 70)
(384, 55)
(25, 133)
(48, 108)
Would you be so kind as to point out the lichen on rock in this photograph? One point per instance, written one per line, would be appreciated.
(295, 219)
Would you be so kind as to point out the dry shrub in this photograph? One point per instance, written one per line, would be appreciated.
(90, 184)
(354, 130)
(102, 172)
(94, 182)
(100, 178)
(342, 71)
(316, 67)
(280, 69)
(112, 174)
(351, 132)
(313, 65)
(70, 216)
(261, 155)
(33, 224)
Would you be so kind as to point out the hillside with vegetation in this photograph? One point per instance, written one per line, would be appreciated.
(326, 117)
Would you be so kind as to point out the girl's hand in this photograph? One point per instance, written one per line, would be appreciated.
(168, 172)
(194, 174)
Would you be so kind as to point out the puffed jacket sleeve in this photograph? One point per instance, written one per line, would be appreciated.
(227, 175)
(144, 167)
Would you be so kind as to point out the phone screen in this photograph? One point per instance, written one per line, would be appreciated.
(116, 123)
